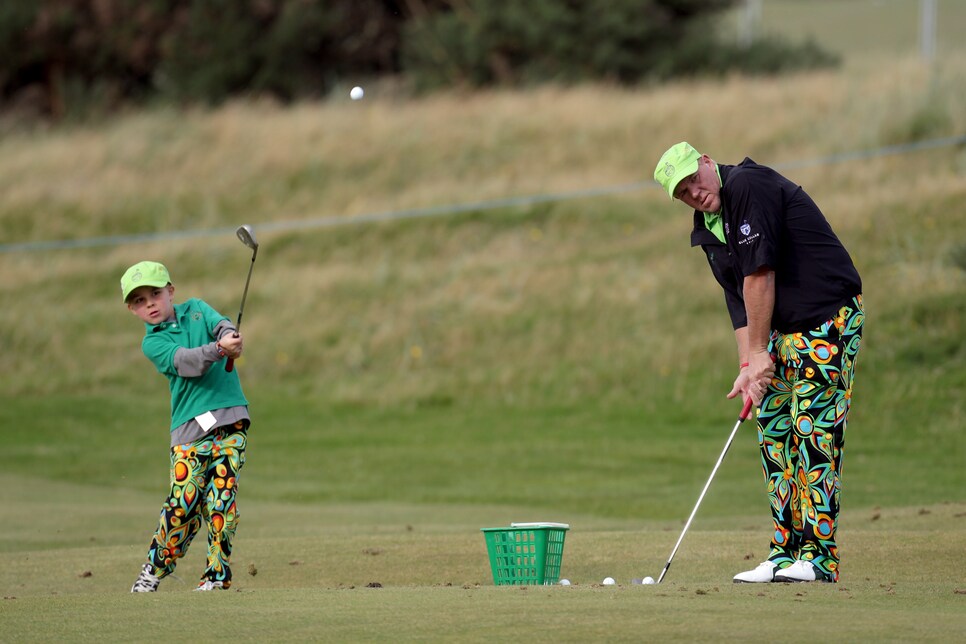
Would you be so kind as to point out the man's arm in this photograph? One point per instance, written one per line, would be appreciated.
(744, 384)
(759, 295)
(759, 291)
(741, 338)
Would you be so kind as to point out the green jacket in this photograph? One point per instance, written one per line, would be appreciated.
(194, 326)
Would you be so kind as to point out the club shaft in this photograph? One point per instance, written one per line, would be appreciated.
(241, 309)
(731, 438)
(230, 363)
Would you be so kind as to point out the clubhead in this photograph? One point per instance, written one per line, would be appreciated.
(247, 236)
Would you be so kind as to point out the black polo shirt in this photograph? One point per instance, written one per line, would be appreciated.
(771, 222)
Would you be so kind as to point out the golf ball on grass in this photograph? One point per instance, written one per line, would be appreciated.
(608, 581)
(564, 582)
(647, 581)
(356, 93)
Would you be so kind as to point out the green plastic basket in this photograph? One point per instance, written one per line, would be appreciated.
(526, 553)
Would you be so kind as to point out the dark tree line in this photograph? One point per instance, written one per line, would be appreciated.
(55, 54)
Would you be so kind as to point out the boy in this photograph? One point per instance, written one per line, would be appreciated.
(209, 423)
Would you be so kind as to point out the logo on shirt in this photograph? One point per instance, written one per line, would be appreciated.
(745, 229)
(196, 316)
(727, 229)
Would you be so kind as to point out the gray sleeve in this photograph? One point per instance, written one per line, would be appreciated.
(223, 328)
(191, 363)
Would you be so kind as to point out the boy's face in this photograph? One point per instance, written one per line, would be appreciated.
(153, 304)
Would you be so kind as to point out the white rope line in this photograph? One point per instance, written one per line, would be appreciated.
(449, 209)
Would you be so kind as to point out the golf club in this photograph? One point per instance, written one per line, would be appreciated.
(247, 237)
(745, 411)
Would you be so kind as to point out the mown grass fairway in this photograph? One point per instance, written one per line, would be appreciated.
(414, 381)
(312, 577)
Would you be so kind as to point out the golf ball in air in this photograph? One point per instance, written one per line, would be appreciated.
(609, 581)
(356, 93)
(564, 582)
(647, 581)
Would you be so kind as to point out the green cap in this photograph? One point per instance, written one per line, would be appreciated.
(680, 161)
(144, 274)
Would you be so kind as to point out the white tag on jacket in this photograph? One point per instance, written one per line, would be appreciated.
(206, 420)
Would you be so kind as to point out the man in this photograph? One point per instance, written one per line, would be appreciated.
(794, 297)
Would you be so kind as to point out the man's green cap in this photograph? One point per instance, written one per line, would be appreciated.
(680, 161)
(144, 274)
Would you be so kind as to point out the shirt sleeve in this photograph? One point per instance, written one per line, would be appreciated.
(160, 348)
(736, 309)
(753, 221)
(212, 318)
(223, 328)
(726, 274)
(191, 363)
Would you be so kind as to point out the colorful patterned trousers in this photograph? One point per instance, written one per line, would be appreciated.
(204, 482)
(801, 432)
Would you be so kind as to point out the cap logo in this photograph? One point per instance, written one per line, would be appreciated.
(668, 169)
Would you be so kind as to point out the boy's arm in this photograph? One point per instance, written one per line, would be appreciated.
(191, 363)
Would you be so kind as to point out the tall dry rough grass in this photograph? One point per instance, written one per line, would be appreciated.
(566, 301)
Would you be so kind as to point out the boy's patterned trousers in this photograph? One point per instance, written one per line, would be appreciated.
(204, 482)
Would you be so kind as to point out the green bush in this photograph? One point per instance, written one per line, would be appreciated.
(284, 48)
(507, 43)
(771, 56)
(83, 56)
(211, 51)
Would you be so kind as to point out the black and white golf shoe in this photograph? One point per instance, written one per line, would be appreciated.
(146, 582)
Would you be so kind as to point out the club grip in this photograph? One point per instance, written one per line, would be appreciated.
(230, 363)
(741, 417)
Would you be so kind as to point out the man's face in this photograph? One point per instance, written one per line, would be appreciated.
(701, 190)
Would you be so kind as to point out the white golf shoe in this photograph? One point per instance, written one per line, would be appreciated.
(763, 574)
(803, 570)
(207, 585)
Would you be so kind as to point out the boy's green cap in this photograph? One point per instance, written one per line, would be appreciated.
(680, 161)
(144, 274)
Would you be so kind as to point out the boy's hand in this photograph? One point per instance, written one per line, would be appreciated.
(232, 345)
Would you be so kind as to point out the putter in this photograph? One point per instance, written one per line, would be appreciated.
(247, 237)
(745, 411)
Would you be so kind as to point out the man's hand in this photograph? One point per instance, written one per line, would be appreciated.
(753, 379)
